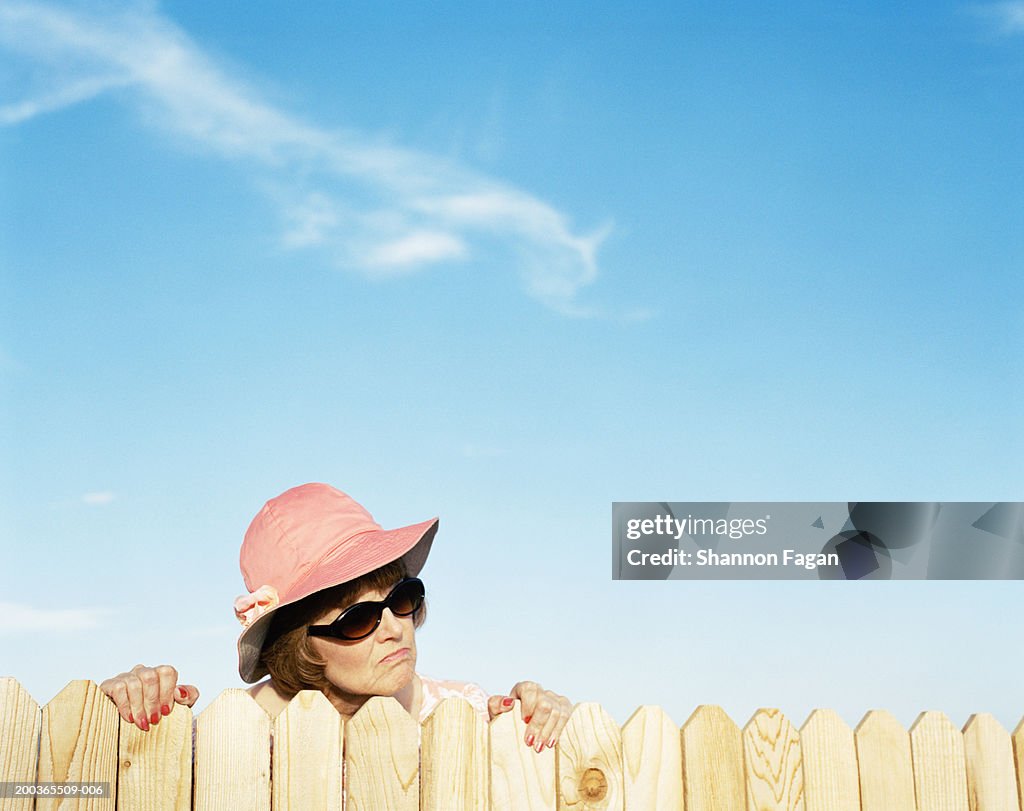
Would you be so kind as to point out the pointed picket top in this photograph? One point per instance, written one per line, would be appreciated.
(307, 754)
(453, 767)
(885, 765)
(521, 778)
(652, 760)
(991, 782)
(771, 755)
(830, 763)
(20, 720)
(154, 769)
(590, 761)
(382, 758)
(78, 743)
(940, 775)
(712, 748)
(232, 765)
(1018, 759)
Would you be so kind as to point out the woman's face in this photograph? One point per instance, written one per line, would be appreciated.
(380, 665)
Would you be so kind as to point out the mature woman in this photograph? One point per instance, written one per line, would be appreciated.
(333, 605)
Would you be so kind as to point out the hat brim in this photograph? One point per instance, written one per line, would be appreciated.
(378, 548)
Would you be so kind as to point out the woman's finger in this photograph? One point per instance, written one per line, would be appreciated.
(119, 695)
(539, 724)
(150, 694)
(526, 692)
(496, 705)
(530, 694)
(556, 721)
(168, 677)
(187, 694)
(136, 701)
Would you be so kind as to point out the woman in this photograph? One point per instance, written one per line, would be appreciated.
(333, 605)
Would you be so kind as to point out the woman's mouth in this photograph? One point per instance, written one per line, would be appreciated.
(397, 656)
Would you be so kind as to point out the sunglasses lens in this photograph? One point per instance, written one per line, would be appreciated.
(360, 621)
(407, 598)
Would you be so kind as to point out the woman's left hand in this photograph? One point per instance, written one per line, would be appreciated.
(545, 713)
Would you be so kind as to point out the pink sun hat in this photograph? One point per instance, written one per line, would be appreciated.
(310, 538)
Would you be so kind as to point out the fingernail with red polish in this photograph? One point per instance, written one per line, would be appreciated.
(507, 702)
(183, 692)
(144, 725)
(131, 718)
(551, 744)
(526, 720)
(165, 710)
(154, 718)
(529, 740)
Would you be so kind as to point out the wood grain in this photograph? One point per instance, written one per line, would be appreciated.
(712, 748)
(940, 775)
(771, 756)
(232, 760)
(307, 758)
(652, 761)
(991, 781)
(154, 769)
(590, 762)
(830, 763)
(885, 768)
(1018, 760)
(20, 721)
(453, 768)
(521, 779)
(708, 765)
(382, 758)
(78, 744)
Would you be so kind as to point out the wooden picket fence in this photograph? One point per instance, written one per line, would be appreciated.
(456, 761)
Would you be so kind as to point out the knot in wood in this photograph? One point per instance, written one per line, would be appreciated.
(593, 785)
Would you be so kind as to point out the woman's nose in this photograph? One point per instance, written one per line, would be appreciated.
(390, 625)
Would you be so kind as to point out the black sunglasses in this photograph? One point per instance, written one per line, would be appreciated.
(360, 620)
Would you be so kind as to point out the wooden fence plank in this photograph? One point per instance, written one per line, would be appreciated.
(1018, 760)
(232, 761)
(453, 761)
(991, 782)
(940, 775)
(652, 761)
(20, 720)
(307, 760)
(590, 762)
(78, 744)
(712, 747)
(771, 756)
(382, 758)
(830, 763)
(521, 779)
(154, 769)
(884, 764)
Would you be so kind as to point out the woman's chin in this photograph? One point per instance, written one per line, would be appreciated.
(398, 678)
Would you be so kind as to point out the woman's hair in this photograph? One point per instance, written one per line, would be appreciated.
(288, 652)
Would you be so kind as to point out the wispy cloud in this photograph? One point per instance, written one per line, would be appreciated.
(372, 207)
(1008, 17)
(17, 618)
(98, 499)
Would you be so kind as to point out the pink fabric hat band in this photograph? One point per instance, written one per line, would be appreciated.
(307, 539)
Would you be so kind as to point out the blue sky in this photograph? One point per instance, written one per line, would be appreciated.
(507, 263)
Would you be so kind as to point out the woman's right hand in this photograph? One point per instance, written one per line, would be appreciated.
(144, 695)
